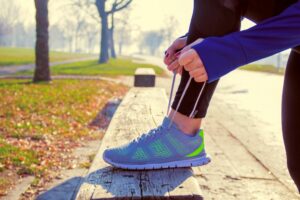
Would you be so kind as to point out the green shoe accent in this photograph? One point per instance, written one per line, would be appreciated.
(140, 155)
(159, 149)
(199, 150)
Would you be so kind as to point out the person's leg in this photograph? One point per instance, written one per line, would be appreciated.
(290, 116)
(167, 146)
(210, 18)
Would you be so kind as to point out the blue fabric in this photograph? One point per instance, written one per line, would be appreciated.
(221, 55)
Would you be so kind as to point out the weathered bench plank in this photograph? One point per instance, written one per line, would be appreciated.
(141, 110)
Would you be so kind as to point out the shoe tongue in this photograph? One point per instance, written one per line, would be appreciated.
(166, 124)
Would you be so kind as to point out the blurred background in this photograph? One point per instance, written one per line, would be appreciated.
(144, 27)
(66, 65)
(75, 26)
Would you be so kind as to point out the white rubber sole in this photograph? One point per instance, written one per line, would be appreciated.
(176, 164)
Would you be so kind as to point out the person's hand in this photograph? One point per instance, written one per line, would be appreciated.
(192, 63)
(172, 54)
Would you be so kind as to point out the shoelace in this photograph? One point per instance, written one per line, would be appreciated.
(151, 133)
(192, 114)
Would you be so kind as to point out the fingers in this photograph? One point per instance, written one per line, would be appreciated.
(169, 56)
(194, 65)
(174, 65)
(199, 75)
(171, 51)
(186, 58)
(201, 78)
(197, 72)
(185, 49)
(189, 59)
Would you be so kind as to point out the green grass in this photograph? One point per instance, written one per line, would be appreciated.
(114, 67)
(15, 156)
(264, 68)
(50, 104)
(20, 56)
(41, 123)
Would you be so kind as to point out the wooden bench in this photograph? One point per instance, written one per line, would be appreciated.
(144, 77)
(140, 110)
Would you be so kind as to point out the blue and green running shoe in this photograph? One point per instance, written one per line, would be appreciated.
(162, 147)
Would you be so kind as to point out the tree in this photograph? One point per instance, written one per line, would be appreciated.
(123, 31)
(57, 38)
(9, 17)
(105, 9)
(80, 23)
(117, 6)
(42, 71)
(152, 40)
(88, 36)
(68, 27)
(79, 31)
(170, 28)
(111, 37)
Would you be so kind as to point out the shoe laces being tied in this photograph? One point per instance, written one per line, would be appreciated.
(150, 134)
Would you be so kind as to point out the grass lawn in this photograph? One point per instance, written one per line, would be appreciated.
(40, 124)
(264, 68)
(19, 56)
(114, 67)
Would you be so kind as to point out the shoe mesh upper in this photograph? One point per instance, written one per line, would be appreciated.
(163, 144)
(140, 155)
(159, 149)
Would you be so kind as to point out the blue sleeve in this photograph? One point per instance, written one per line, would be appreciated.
(221, 55)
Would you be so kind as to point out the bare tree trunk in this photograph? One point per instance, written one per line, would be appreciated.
(104, 31)
(90, 43)
(112, 44)
(112, 41)
(120, 48)
(42, 71)
(105, 35)
(70, 40)
(104, 56)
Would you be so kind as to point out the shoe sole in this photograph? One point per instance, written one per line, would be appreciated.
(176, 164)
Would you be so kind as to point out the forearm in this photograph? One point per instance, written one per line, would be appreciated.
(221, 55)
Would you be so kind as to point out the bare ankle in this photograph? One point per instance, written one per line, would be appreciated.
(185, 124)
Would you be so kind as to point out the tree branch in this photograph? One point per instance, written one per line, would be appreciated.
(85, 5)
(119, 5)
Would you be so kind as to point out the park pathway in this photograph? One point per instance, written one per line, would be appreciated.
(245, 140)
(8, 70)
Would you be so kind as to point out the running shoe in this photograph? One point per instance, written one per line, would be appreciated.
(162, 147)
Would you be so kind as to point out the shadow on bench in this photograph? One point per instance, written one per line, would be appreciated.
(69, 189)
(141, 110)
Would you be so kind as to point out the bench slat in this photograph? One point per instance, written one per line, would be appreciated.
(141, 110)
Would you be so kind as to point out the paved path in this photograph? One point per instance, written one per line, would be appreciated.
(7, 70)
(245, 140)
